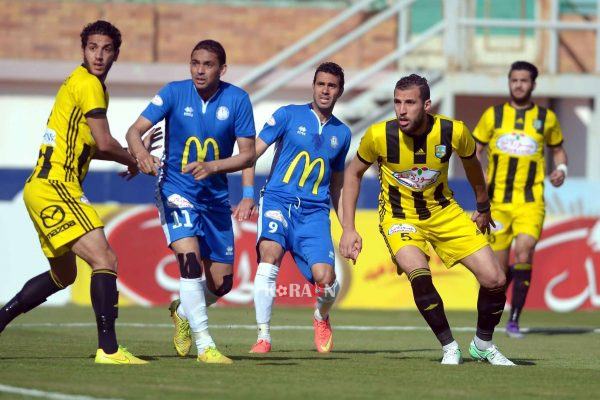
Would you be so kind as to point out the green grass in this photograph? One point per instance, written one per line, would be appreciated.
(372, 364)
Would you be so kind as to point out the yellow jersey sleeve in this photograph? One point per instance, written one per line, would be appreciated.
(485, 127)
(89, 95)
(553, 133)
(367, 149)
(462, 141)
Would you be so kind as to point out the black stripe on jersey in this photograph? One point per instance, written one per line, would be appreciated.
(446, 128)
(83, 158)
(438, 195)
(520, 119)
(395, 202)
(362, 159)
(73, 143)
(493, 180)
(45, 170)
(392, 139)
(555, 145)
(73, 206)
(420, 149)
(389, 249)
(421, 206)
(96, 112)
(530, 180)
(542, 112)
(498, 114)
(68, 140)
(510, 179)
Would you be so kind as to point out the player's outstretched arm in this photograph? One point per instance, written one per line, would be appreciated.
(335, 189)
(482, 216)
(146, 162)
(108, 147)
(559, 157)
(351, 242)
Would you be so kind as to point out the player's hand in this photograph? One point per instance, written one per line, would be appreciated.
(131, 172)
(350, 244)
(557, 178)
(200, 170)
(151, 138)
(148, 164)
(483, 221)
(245, 210)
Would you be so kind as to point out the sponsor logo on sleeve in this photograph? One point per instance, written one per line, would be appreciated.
(157, 101)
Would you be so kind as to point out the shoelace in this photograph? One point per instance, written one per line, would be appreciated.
(495, 354)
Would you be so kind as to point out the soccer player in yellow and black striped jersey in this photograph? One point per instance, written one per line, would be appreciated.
(516, 133)
(416, 206)
(66, 223)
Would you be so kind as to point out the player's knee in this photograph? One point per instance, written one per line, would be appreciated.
(324, 276)
(225, 287)
(494, 280)
(65, 277)
(190, 266)
(108, 260)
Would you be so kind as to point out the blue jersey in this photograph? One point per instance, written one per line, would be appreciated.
(196, 130)
(306, 153)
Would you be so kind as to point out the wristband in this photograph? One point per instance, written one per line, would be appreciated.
(563, 168)
(248, 192)
(483, 207)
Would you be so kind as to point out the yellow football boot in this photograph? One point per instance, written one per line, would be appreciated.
(121, 357)
(182, 338)
(213, 356)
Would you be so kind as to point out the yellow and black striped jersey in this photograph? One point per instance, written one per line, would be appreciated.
(68, 145)
(516, 139)
(413, 171)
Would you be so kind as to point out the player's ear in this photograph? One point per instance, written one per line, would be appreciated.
(427, 105)
(223, 70)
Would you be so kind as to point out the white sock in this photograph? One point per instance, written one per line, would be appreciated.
(264, 297)
(191, 294)
(209, 298)
(482, 344)
(325, 300)
(453, 345)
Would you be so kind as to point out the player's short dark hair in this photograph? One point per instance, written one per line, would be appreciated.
(412, 80)
(214, 47)
(333, 69)
(524, 65)
(101, 28)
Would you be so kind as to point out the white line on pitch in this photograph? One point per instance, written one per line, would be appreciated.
(46, 395)
(396, 328)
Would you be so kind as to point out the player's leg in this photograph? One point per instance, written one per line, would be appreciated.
(94, 249)
(413, 262)
(36, 291)
(521, 275)
(270, 254)
(327, 289)
(490, 304)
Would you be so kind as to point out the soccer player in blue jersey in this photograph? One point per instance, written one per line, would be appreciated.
(204, 118)
(307, 174)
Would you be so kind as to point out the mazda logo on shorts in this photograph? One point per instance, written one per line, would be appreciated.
(52, 216)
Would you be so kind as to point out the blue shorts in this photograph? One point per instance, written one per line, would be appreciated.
(211, 224)
(303, 231)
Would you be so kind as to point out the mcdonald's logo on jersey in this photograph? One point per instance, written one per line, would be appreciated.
(308, 167)
(201, 150)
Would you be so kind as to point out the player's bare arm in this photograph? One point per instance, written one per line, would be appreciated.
(247, 208)
(335, 191)
(244, 159)
(480, 152)
(482, 216)
(108, 147)
(559, 158)
(146, 162)
(351, 242)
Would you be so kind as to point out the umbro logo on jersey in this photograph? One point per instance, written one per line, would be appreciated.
(301, 130)
(188, 112)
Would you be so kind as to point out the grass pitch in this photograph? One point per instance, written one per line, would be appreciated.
(51, 349)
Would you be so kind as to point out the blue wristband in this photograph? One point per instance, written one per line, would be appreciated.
(248, 192)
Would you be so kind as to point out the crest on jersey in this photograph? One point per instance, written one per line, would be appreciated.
(440, 150)
(537, 124)
(418, 178)
(301, 130)
(49, 138)
(222, 113)
(334, 142)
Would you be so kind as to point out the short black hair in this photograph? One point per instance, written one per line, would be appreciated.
(333, 69)
(524, 65)
(411, 80)
(214, 47)
(101, 28)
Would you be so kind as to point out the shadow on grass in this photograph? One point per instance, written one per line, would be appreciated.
(558, 331)
(381, 351)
